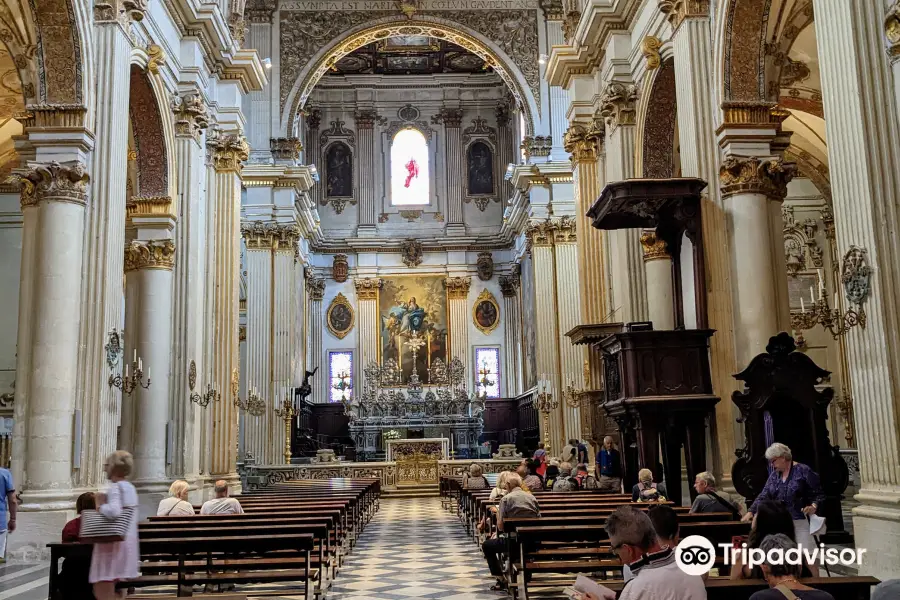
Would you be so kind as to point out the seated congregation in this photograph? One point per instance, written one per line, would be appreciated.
(550, 528)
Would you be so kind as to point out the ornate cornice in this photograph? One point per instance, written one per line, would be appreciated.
(457, 287)
(55, 182)
(755, 114)
(679, 10)
(550, 232)
(191, 116)
(655, 247)
(509, 284)
(285, 148)
(316, 288)
(259, 235)
(142, 206)
(152, 254)
(617, 105)
(650, 46)
(752, 175)
(367, 288)
(229, 152)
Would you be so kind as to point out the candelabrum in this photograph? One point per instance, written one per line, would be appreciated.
(484, 381)
(344, 385)
(287, 412)
(128, 382)
(546, 403)
(253, 405)
(837, 323)
(201, 399)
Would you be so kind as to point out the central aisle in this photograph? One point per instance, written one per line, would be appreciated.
(414, 549)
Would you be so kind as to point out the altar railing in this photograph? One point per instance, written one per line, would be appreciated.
(254, 477)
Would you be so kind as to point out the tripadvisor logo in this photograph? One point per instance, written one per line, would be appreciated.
(695, 555)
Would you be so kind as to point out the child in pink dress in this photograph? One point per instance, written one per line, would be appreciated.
(116, 561)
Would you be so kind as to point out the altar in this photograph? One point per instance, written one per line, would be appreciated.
(417, 460)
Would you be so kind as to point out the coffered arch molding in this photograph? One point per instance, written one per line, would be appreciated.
(153, 134)
(426, 25)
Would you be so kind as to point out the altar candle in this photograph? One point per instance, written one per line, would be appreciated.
(835, 305)
(812, 297)
(135, 355)
(802, 306)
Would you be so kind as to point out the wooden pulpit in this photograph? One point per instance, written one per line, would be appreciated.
(659, 392)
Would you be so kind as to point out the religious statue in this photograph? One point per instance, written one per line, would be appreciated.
(305, 387)
(412, 171)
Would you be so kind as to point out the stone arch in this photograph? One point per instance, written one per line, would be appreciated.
(427, 25)
(153, 169)
(658, 125)
(745, 24)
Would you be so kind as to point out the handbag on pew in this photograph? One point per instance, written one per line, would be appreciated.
(97, 528)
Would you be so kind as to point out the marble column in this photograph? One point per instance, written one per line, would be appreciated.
(453, 163)
(629, 285)
(568, 304)
(58, 193)
(458, 311)
(748, 185)
(693, 57)
(148, 276)
(101, 308)
(512, 333)
(860, 98)
(365, 138)
(190, 113)
(539, 237)
(315, 287)
(584, 144)
(258, 259)
(224, 194)
(660, 288)
(367, 333)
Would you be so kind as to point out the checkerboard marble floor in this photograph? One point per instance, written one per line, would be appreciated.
(411, 549)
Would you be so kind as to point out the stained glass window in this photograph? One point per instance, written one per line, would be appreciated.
(409, 168)
(487, 371)
(340, 371)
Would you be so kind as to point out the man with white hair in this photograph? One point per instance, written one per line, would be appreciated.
(221, 504)
(710, 500)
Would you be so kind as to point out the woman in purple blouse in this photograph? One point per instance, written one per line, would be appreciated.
(794, 484)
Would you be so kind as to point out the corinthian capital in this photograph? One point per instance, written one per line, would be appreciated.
(285, 148)
(654, 246)
(579, 144)
(55, 182)
(678, 10)
(892, 30)
(753, 175)
(229, 151)
(153, 254)
(367, 288)
(316, 287)
(509, 284)
(450, 117)
(617, 105)
(457, 287)
(191, 117)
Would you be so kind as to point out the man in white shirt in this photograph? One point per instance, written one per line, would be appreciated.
(656, 574)
(221, 504)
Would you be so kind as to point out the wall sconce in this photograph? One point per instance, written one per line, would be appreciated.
(254, 405)
(202, 400)
(128, 382)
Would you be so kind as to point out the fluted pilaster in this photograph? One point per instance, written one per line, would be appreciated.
(629, 284)
(861, 113)
(259, 339)
(365, 135)
(101, 310)
(512, 333)
(571, 357)
(259, 125)
(700, 158)
(315, 326)
(559, 98)
(190, 283)
(367, 290)
(283, 342)
(547, 338)
(505, 148)
(453, 159)
(457, 308)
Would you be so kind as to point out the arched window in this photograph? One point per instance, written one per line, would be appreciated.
(409, 168)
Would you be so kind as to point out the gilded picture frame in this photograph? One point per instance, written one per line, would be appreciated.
(340, 317)
(486, 312)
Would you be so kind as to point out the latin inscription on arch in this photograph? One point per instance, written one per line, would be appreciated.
(391, 5)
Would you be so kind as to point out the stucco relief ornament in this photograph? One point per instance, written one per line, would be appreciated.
(856, 274)
(892, 30)
(191, 116)
(485, 266)
(412, 253)
(340, 268)
(113, 348)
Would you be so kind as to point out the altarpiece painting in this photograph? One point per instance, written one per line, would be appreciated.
(338, 171)
(481, 169)
(413, 313)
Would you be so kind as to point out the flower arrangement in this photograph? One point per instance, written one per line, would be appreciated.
(392, 434)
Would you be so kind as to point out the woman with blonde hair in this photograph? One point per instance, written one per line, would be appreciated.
(176, 505)
(476, 479)
(646, 490)
(500, 490)
(112, 562)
